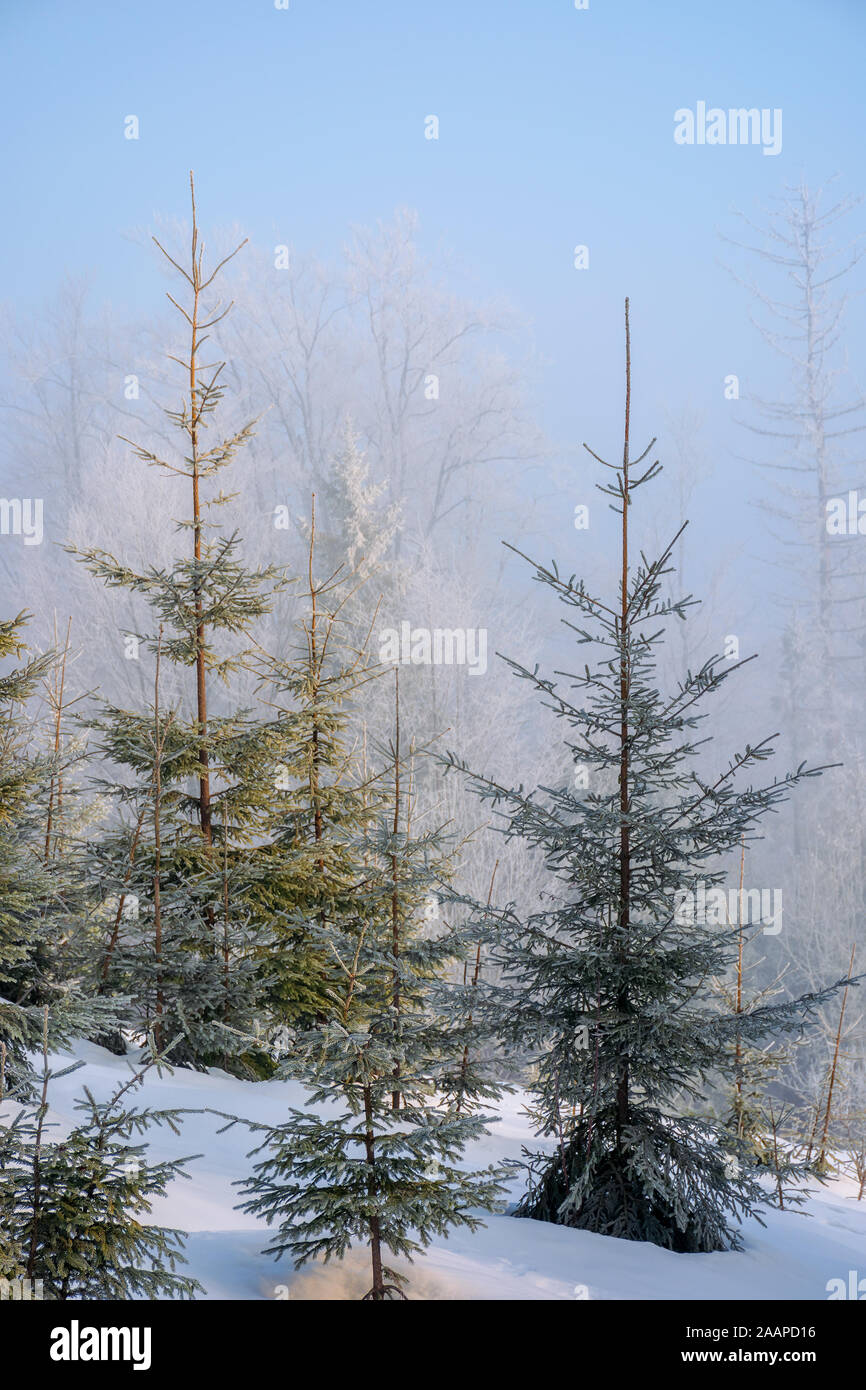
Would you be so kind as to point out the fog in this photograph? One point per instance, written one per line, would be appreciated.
(426, 326)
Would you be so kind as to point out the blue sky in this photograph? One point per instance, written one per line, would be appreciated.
(556, 128)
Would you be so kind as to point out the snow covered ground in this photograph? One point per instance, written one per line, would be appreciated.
(793, 1258)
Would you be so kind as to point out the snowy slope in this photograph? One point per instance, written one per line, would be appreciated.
(793, 1258)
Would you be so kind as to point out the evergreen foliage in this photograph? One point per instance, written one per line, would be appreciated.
(324, 799)
(181, 862)
(71, 1208)
(381, 1164)
(42, 942)
(611, 982)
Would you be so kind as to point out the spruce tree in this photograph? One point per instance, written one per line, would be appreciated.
(380, 1165)
(820, 1139)
(475, 1012)
(71, 1209)
(323, 800)
(42, 914)
(179, 869)
(749, 1069)
(611, 981)
(22, 880)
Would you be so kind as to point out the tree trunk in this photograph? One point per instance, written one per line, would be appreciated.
(624, 690)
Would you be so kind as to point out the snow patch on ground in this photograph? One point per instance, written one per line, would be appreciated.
(793, 1258)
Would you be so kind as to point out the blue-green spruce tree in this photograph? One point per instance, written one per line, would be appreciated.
(609, 981)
